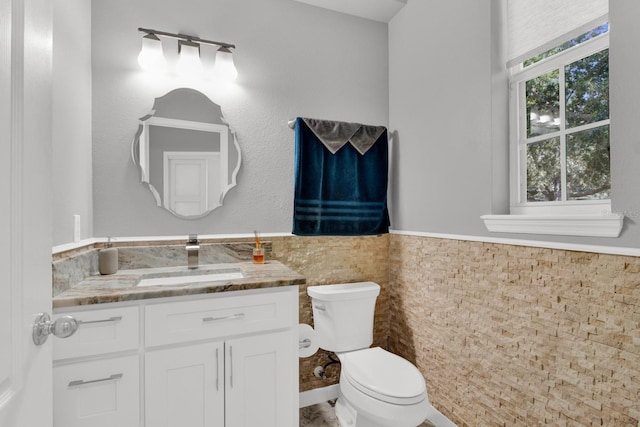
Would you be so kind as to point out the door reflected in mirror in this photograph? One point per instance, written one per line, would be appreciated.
(187, 154)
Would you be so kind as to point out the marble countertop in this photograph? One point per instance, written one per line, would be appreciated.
(124, 284)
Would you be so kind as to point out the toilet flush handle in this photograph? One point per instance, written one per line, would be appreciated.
(305, 343)
(320, 307)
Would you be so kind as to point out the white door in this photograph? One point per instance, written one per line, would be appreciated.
(25, 212)
(187, 186)
(191, 182)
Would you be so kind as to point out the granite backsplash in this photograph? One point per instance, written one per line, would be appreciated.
(74, 267)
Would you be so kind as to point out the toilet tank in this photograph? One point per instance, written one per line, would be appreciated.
(343, 315)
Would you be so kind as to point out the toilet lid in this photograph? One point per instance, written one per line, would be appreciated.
(384, 376)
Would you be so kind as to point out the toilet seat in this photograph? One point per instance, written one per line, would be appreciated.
(383, 376)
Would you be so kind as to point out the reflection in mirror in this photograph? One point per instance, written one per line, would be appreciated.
(187, 153)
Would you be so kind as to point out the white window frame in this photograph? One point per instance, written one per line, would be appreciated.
(566, 217)
(519, 140)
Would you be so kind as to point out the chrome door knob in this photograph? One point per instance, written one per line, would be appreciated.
(62, 327)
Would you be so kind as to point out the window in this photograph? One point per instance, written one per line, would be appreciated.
(560, 169)
(560, 127)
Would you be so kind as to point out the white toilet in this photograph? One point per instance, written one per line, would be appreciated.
(377, 388)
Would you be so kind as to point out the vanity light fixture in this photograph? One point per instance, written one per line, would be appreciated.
(151, 57)
(224, 67)
(189, 63)
(189, 51)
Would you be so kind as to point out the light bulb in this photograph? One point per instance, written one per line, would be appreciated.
(189, 61)
(151, 57)
(224, 68)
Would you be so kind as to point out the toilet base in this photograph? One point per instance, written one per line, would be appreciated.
(381, 414)
(349, 417)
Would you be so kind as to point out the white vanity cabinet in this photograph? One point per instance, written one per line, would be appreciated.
(227, 359)
(245, 373)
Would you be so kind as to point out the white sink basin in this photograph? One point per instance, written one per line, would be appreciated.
(190, 279)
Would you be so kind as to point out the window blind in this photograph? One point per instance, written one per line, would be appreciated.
(533, 27)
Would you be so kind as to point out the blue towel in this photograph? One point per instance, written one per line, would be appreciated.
(341, 194)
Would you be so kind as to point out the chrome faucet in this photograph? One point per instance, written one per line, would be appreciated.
(192, 251)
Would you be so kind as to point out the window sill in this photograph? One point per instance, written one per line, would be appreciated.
(594, 225)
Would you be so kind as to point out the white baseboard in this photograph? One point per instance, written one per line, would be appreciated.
(318, 395)
(436, 418)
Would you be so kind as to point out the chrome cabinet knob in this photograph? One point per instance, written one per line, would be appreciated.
(62, 327)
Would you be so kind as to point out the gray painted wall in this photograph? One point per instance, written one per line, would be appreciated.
(293, 60)
(625, 116)
(445, 105)
(71, 119)
(440, 109)
(447, 100)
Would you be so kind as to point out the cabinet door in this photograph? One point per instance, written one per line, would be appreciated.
(262, 381)
(184, 387)
(97, 393)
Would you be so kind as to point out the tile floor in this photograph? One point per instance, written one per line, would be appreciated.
(320, 415)
(324, 415)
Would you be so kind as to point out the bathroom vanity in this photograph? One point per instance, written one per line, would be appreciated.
(217, 353)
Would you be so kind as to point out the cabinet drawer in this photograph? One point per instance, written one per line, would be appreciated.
(100, 331)
(218, 317)
(99, 393)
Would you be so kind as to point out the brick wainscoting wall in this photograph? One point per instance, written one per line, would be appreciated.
(519, 336)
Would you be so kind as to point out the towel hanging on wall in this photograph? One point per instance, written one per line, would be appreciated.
(341, 175)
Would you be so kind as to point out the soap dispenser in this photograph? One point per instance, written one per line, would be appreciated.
(108, 259)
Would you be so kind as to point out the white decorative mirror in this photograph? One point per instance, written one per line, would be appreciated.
(187, 153)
